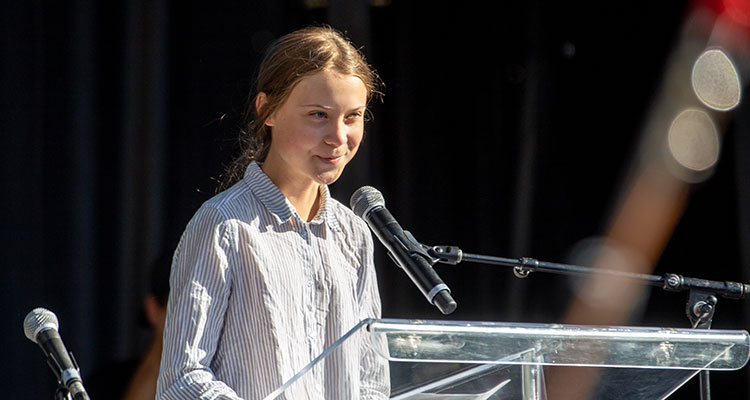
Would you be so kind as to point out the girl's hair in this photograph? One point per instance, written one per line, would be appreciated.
(288, 60)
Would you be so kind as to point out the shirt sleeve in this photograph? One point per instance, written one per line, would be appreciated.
(374, 372)
(199, 290)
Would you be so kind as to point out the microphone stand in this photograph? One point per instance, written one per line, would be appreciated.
(702, 293)
(62, 393)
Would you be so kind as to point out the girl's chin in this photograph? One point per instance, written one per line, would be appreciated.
(328, 177)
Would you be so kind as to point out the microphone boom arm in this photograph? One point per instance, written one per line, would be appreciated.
(702, 292)
(523, 266)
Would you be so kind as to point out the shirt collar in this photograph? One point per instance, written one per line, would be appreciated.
(279, 205)
(325, 214)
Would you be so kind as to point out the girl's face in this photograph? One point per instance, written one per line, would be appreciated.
(317, 130)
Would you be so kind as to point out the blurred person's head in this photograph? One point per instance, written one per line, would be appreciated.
(155, 301)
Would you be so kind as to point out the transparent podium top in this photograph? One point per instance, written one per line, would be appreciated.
(551, 344)
(490, 360)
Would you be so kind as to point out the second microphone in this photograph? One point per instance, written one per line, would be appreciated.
(404, 250)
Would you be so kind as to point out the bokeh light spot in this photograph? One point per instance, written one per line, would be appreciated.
(693, 140)
(715, 80)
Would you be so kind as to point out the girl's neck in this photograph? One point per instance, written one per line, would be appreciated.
(306, 202)
(304, 194)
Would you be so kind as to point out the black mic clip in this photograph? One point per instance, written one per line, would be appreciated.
(62, 374)
(440, 294)
(413, 247)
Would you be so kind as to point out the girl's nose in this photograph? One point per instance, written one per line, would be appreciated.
(337, 135)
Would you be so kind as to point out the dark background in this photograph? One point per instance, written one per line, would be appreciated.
(506, 130)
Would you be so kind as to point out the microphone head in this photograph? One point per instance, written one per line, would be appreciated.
(364, 199)
(37, 320)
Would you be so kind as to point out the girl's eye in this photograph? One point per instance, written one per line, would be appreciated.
(318, 114)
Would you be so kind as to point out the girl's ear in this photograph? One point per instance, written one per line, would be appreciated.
(261, 100)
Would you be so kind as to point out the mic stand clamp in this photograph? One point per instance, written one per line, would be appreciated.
(528, 265)
(444, 254)
(700, 309)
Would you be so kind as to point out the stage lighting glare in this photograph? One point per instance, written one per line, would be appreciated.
(738, 10)
(602, 253)
(693, 141)
(716, 81)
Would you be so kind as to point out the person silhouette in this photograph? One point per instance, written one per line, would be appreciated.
(135, 378)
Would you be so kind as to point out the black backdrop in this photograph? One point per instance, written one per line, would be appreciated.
(506, 130)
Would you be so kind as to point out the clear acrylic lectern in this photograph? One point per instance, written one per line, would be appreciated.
(478, 360)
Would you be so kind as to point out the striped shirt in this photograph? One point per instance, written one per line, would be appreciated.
(257, 293)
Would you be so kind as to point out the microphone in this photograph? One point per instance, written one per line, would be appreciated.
(40, 326)
(404, 250)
